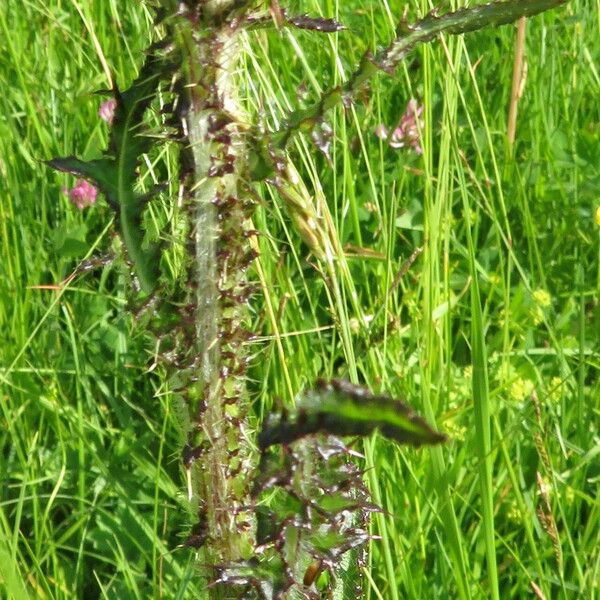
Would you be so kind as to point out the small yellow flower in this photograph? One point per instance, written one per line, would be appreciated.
(514, 514)
(505, 372)
(597, 219)
(537, 315)
(542, 298)
(455, 432)
(502, 317)
(569, 494)
(520, 389)
(517, 390)
(555, 389)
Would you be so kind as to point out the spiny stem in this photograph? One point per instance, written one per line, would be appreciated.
(220, 248)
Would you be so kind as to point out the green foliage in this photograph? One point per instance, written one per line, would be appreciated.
(116, 173)
(79, 409)
(407, 38)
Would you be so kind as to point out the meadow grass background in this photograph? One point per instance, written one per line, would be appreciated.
(500, 308)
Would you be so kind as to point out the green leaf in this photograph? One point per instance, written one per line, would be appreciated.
(115, 174)
(71, 247)
(341, 408)
(70, 241)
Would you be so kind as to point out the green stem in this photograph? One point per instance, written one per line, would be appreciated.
(145, 261)
(220, 248)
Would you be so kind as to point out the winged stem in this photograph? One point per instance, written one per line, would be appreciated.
(408, 38)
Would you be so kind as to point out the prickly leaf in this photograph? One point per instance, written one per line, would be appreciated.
(116, 172)
(341, 408)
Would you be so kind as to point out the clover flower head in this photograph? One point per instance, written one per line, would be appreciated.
(107, 110)
(407, 131)
(83, 194)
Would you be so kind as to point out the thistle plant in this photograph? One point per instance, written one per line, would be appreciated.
(282, 513)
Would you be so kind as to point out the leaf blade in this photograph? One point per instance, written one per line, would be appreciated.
(340, 408)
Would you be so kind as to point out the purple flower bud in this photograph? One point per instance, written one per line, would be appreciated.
(107, 110)
(83, 194)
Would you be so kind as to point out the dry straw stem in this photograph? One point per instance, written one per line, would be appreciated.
(518, 81)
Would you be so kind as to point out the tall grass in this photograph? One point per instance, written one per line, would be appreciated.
(492, 332)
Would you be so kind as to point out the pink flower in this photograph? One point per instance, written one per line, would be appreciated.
(407, 131)
(83, 194)
(107, 110)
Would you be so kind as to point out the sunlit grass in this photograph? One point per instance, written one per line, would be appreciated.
(492, 333)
